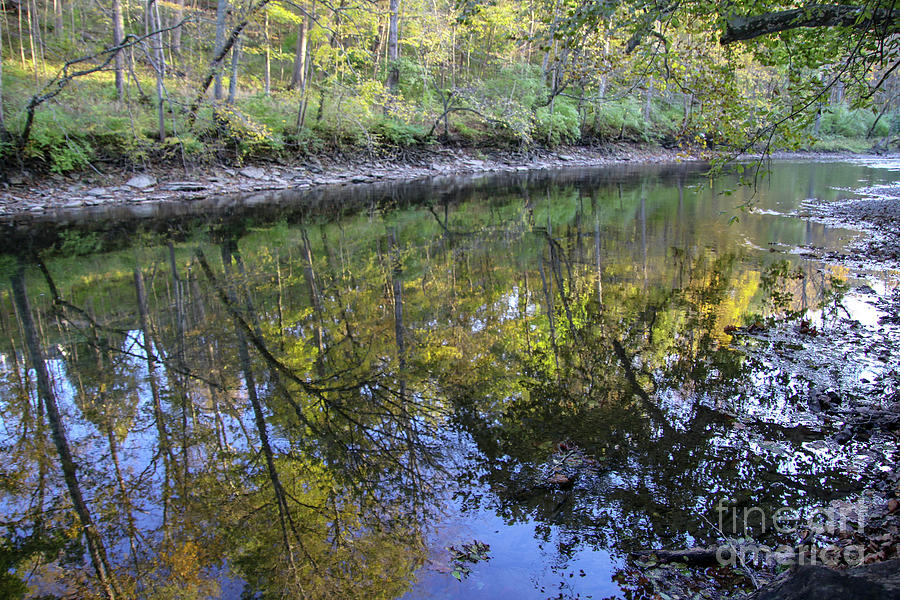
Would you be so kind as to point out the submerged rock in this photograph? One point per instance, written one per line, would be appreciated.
(879, 581)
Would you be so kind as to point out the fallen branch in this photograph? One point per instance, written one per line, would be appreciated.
(695, 557)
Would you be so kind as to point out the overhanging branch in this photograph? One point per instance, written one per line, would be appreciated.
(816, 15)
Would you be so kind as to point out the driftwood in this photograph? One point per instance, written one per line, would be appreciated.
(696, 557)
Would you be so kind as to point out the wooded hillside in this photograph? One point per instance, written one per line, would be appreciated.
(198, 81)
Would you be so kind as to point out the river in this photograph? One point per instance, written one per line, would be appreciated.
(337, 393)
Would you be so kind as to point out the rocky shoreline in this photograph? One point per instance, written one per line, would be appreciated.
(864, 412)
(28, 194)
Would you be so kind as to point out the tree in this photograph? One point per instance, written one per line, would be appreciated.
(221, 15)
(118, 37)
(852, 42)
(393, 44)
(2, 123)
(298, 75)
(67, 464)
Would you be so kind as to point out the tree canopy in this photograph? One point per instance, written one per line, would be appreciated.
(84, 81)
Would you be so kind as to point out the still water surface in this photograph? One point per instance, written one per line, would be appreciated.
(328, 395)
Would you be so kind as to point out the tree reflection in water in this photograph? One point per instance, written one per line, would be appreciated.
(275, 406)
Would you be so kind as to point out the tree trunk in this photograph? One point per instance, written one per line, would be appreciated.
(304, 76)
(648, 102)
(549, 300)
(393, 48)
(216, 63)
(823, 15)
(397, 289)
(221, 12)
(179, 378)
(235, 63)
(31, 36)
(159, 65)
(158, 416)
(314, 297)
(118, 36)
(284, 514)
(175, 40)
(837, 93)
(58, 18)
(298, 77)
(267, 77)
(96, 549)
(2, 123)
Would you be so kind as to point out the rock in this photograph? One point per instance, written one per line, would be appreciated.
(73, 204)
(184, 186)
(97, 191)
(252, 172)
(842, 437)
(141, 182)
(359, 179)
(875, 581)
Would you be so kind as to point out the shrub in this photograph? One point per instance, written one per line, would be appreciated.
(250, 138)
(559, 127)
(619, 118)
(391, 132)
(842, 121)
(51, 144)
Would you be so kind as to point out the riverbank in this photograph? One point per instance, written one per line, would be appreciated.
(33, 194)
(841, 361)
(851, 360)
(28, 193)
